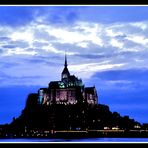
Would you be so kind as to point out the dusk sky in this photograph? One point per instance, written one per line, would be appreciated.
(107, 46)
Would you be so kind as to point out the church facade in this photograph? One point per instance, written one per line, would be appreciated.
(69, 90)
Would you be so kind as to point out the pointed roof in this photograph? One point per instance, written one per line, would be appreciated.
(65, 60)
(65, 70)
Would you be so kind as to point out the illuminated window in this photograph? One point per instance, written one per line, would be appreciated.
(41, 92)
(40, 99)
(61, 85)
(70, 84)
(65, 76)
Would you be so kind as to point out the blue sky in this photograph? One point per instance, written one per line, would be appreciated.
(106, 47)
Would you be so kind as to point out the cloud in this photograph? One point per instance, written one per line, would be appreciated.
(8, 46)
(24, 36)
(18, 51)
(57, 15)
(138, 39)
(92, 46)
(129, 79)
(116, 43)
(140, 25)
(83, 69)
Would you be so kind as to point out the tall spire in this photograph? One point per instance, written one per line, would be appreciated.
(65, 60)
(65, 72)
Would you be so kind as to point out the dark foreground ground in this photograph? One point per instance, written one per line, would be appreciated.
(82, 134)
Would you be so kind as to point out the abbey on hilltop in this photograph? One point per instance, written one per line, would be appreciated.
(70, 90)
(68, 109)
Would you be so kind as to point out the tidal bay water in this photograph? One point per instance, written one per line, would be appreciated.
(87, 140)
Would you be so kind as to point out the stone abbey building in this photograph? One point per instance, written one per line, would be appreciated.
(67, 108)
(69, 90)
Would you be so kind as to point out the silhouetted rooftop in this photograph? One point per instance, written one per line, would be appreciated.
(89, 90)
